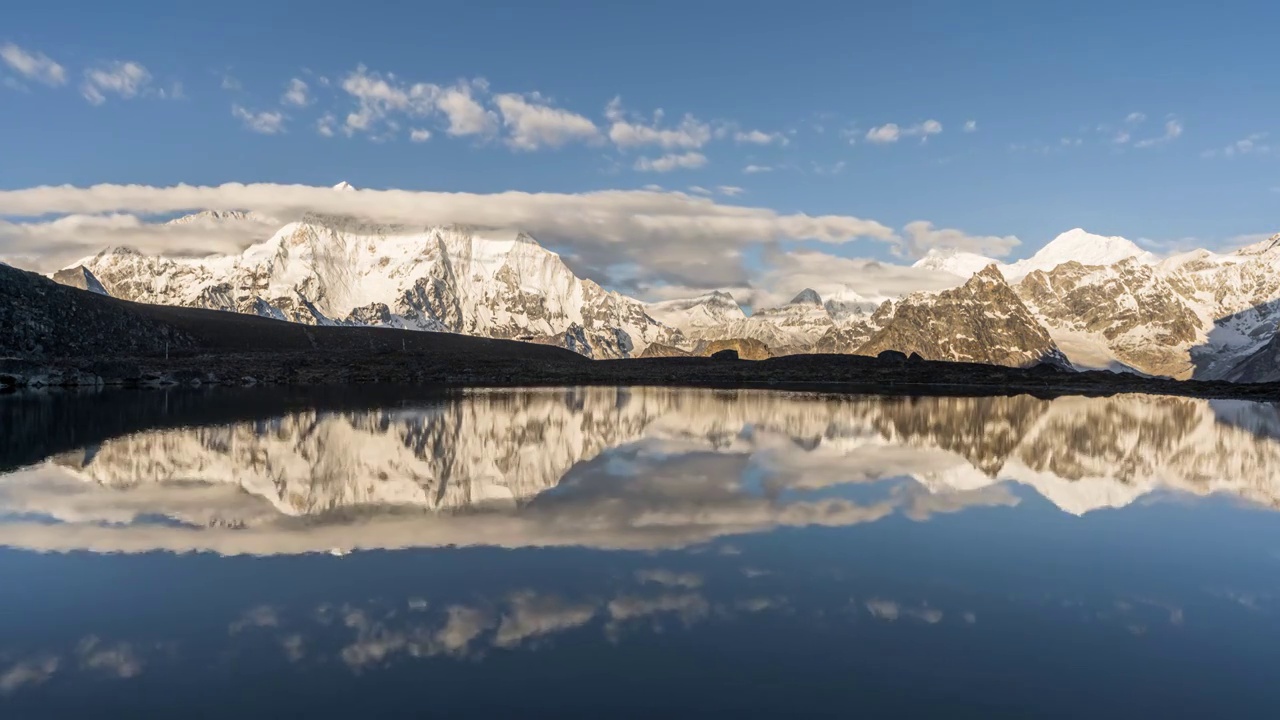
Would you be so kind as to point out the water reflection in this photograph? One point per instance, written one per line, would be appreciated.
(674, 551)
(644, 468)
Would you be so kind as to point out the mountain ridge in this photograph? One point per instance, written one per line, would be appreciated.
(1103, 300)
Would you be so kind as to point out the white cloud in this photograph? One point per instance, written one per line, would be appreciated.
(533, 124)
(729, 190)
(381, 97)
(296, 93)
(230, 83)
(125, 79)
(466, 116)
(670, 236)
(55, 243)
(1121, 137)
(34, 66)
(1172, 131)
(1251, 145)
(759, 137)
(265, 122)
(327, 125)
(377, 97)
(892, 132)
(1135, 118)
(922, 236)
(971, 126)
(699, 190)
(669, 162)
(756, 169)
(629, 133)
(789, 272)
(419, 135)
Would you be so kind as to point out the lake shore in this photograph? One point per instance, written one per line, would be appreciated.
(824, 373)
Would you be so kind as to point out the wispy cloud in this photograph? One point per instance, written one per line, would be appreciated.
(759, 137)
(1254, 144)
(757, 169)
(34, 66)
(123, 78)
(1172, 131)
(672, 161)
(297, 93)
(627, 131)
(892, 132)
(264, 122)
(532, 123)
(971, 126)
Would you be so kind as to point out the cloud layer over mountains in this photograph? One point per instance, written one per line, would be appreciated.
(630, 238)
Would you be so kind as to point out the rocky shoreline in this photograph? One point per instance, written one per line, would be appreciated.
(892, 374)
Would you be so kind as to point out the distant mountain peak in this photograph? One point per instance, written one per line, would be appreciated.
(1082, 246)
(344, 185)
(807, 296)
(953, 260)
(1261, 248)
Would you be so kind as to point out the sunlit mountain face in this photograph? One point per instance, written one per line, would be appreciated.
(751, 551)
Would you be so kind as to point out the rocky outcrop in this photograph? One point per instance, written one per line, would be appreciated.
(657, 350)
(981, 321)
(41, 318)
(80, 278)
(747, 348)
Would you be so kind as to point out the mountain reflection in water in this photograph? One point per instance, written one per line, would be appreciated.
(673, 550)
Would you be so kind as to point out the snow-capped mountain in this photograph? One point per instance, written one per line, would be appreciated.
(1191, 315)
(328, 270)
(647, 467)
(1102, 301)
(694, 316)
(1109, 304)
(957, 262)
(1077, 245)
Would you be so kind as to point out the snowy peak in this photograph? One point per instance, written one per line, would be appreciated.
(213, 217)
(953, 261)
(1268, 247)
(333, 270)
(1079, 246)
(692, 315)
(344, 186)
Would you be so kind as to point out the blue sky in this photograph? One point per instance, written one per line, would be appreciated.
(1112, 116)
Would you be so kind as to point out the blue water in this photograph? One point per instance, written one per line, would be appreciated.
(643, 553)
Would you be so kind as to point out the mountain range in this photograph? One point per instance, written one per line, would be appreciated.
(1083, 300)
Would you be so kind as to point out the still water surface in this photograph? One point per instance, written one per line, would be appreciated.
(638, 552)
